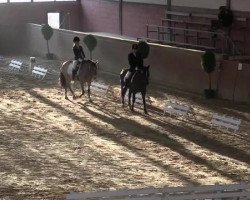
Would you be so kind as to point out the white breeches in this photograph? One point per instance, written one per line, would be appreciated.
(127, 75)
(74, 63)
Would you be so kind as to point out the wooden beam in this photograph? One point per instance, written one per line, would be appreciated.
(229, 4)
(169, 5)
(120, 16)
(169, 8)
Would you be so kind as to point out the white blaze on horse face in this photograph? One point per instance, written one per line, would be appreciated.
(70, 69)
(96, 63)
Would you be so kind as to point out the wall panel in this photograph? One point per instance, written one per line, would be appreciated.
(18, 14)
(166, 66)
(240, 5)
(208, 4)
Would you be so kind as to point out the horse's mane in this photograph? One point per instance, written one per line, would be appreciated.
(89, 61)
(67, 62)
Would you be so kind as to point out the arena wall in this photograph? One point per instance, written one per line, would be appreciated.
(18, 14)
(170, 66)
(103, 15)
(239, 5)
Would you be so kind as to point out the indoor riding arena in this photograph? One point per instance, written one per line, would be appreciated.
(183, 68)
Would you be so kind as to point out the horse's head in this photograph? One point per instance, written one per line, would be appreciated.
(93, 68)
(145, 72)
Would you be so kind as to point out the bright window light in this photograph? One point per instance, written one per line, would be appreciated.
(3, 1)
(20, 1)
(54, 20)
(42, 0)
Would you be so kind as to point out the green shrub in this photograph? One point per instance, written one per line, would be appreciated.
(144, 49)
(208, 63)
(91, 43)
(47, 32)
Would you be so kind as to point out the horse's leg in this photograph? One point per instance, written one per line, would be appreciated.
(143, 94)
(123, 92)
(129, 99)
(66, 96)
(89, 83)
(82, 86)
(70, 88)
(133, 102)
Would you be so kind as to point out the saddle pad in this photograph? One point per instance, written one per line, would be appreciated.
(70, 69)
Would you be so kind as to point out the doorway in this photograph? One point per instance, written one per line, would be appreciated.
(54, 19)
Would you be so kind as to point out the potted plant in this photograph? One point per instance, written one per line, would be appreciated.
(208, 63)
(144, 49)
(225, 17)
(47, 32)
(91, 42)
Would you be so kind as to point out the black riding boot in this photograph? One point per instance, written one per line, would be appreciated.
(74, 73)
(127, 82)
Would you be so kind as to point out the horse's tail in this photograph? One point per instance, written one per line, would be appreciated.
(62, 80)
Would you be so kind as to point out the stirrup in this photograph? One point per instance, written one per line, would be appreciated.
(73, 79)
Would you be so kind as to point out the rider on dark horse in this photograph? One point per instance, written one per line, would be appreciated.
(79, 56)
(135, 63)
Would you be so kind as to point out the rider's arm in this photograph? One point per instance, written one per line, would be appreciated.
(139, 60)
(82, 52)
(132, 65)
(76, 53)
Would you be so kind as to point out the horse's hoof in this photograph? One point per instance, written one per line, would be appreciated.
(74, 97)
(66, 98)
(146, 112)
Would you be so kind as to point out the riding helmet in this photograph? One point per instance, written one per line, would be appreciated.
(135, 46)
(76, 39)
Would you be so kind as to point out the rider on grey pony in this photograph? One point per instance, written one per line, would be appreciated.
(135, 62)
(79, 56)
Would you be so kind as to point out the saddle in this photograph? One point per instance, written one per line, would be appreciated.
(75, 70)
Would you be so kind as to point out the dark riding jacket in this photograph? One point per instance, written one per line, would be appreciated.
(135, 61)
(78, 52)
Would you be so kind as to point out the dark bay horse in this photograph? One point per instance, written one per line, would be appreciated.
(87, 72)
(138, 84)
